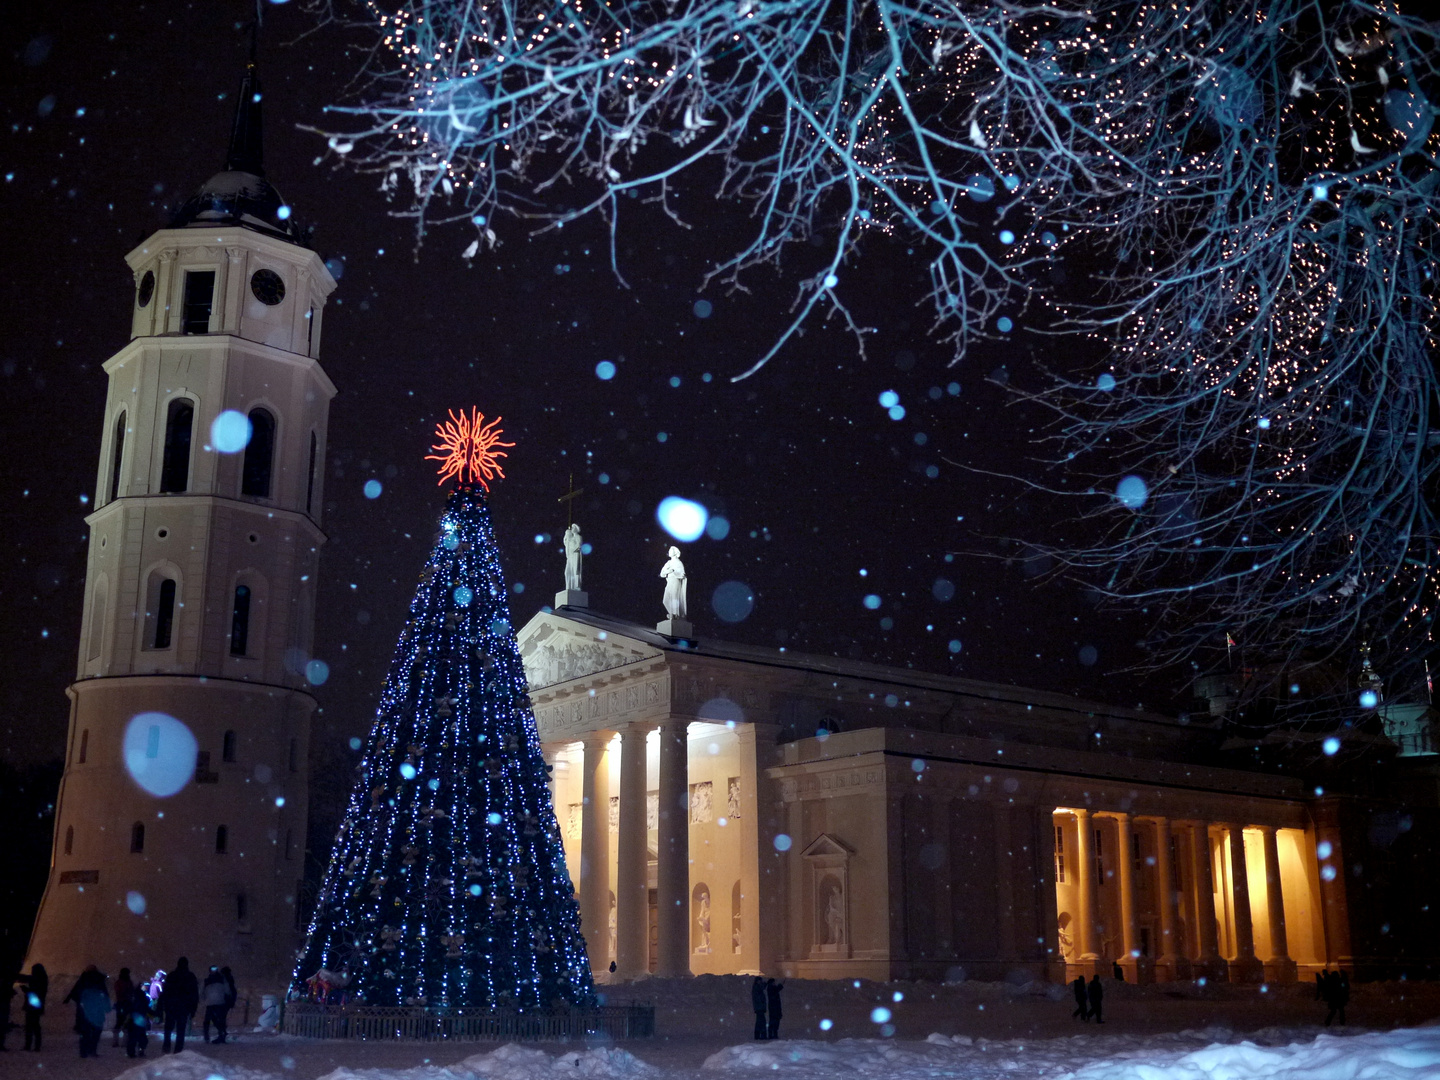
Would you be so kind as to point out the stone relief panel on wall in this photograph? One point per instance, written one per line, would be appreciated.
(652, 810)
(701, 802)
(572, 820)
(552, 656)
(732, 797)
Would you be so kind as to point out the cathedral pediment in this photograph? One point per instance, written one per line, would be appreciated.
(555, 651)
(827, 845)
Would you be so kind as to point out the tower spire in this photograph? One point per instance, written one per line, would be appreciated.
(245, 147)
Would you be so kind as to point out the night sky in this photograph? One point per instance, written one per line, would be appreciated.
(115, 113)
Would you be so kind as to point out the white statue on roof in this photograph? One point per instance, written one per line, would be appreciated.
(675, 585)
(573, 556)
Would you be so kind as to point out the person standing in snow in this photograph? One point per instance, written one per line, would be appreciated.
(178, 1001)
(772, 1001)
(212, 996)
(1096, 994)
(757, 1002)
(92, 1005)
(1336, 991)
(136, 1010)
(123, 988)
(37, 986)
(232, 995)
(1082, 1006)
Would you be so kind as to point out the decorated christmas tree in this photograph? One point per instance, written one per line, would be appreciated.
(447, 885)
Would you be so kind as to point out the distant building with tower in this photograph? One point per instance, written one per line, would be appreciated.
(199, 600)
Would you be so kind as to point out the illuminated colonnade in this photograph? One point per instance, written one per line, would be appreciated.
(1170, 899)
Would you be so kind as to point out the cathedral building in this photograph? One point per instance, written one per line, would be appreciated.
(181, 816)
(725, 808)
(734, 809)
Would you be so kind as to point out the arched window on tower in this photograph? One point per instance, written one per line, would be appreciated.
(240, 622)
(117, 455)
(222, 839)
(175, 466)
(259, 455)
(160, 611)
(84, 747)
(137, 838)
(69, 839)
(310, 483)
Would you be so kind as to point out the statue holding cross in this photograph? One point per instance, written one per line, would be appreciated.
(574, 553)
(572, 596)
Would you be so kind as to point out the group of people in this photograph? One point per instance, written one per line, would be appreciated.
(765, 999)
(1089, 998)
(173, 998)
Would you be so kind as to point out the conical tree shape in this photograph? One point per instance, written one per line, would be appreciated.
(447, 885)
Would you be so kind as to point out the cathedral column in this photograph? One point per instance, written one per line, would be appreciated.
(1047, 913)
(1278, 965)
(1169, 965)
(672, 869)
(1004, 886)
(1245, 967)
(1333, 901)
(595, 850)
(1088, 915)
(1129, 932)
(1209, 962)
(632, 906)
(944, 895)
(551, 753)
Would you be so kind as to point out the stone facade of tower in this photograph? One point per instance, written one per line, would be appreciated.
(199, 605)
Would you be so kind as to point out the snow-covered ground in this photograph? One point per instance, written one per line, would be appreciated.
(975, 1031)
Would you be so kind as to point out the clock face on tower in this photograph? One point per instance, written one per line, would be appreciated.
(267, 287)
(146, 289)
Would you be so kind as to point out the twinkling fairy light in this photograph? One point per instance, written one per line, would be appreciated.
(447, 885)
(1268, 213)
(1241, 196)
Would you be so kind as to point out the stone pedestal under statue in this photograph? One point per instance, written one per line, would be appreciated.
(572, 598)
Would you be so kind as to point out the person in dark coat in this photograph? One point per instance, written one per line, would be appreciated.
(757, 1002)
(37, 986)
(1082, 1002)
(232, 995)
(123, 988)
(1096, 993)
(1336, 992)
(178, 1002)
(137, 1013)
(212, 996)
(91, 998)
(772, 1002)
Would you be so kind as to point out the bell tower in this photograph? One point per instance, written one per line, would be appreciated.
(181, 816)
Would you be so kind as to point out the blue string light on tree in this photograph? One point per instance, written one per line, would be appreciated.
(447, 885)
